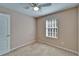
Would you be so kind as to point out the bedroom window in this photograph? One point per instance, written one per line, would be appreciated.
(51, 28)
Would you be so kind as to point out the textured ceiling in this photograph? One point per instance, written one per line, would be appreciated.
(20, 7)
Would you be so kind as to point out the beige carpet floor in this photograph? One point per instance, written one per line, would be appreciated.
(39, 49)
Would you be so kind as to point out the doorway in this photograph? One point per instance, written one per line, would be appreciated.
(4, 33)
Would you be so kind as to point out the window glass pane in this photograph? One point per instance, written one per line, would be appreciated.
(51, 31)
(52, 23)
(48, 30)
(55, 23)
(48, 34)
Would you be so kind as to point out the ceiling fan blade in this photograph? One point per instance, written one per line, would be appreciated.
(34, 4)
(45, 5)
(26, 5)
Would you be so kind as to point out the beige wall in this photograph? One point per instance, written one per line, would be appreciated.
(22, 28)
(67, 30)
(78, 30)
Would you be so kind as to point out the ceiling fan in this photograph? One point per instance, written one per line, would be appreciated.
(37, 6)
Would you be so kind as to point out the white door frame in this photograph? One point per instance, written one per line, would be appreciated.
(8, 32)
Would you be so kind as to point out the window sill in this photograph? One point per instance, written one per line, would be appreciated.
(51, 37)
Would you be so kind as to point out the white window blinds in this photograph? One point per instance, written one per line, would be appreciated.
(51, 28)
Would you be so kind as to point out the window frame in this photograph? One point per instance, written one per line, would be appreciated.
(55, 35)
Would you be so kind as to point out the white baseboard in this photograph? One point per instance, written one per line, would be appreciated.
(5, 52)
(66, 49)
(30, 42)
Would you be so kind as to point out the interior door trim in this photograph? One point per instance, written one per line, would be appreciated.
(9, 32)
